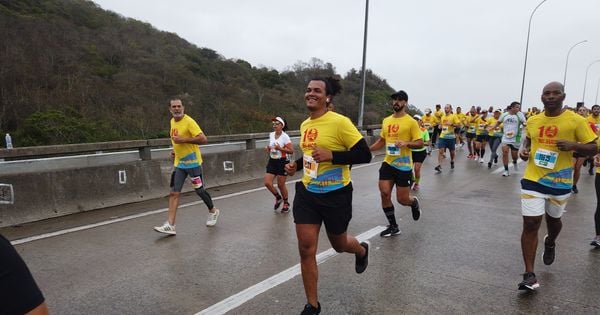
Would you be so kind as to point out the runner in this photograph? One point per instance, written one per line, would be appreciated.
(419, 155)
(512, 121)
(460, 132)
(471, 125)
(447, 137)
(280, 148)
(186, 136)
(551, 138)
(579, 159)
(399, 134)
(495, 136)
(437, 129)
(593, 118)
(329, 142)
(481, 135)
(430, 123)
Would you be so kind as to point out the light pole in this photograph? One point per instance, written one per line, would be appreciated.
(567, 63)
(364, 70)
(526, 50)
(587, 70)
(597, 89)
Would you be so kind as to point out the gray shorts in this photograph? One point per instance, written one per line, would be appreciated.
(180, 174)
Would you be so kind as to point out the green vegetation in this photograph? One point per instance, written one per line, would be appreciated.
(71, 72)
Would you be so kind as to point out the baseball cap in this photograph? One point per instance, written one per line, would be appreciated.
(427, 111)
(400, 95)
(417, 117)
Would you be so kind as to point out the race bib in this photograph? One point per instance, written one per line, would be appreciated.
(392, 149)
(311, 167)
(481, 126)
(445, 129)
(545, 158)
(427, 126)
(275, 154)
(510, 134)
(471, 129)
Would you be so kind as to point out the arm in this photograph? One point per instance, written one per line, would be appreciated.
(287, 149)
(586, 149)
(524, 152)
(377, 145)
(292, 167)
(417, 144)
(199, 139)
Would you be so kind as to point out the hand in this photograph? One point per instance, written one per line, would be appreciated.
(277, 147)
(172, 155)
(401, 144)
(597, 160)
(565, 145)
(321, 155)
(524, 154)
(267, 148)
(178, 139)
(290, 168)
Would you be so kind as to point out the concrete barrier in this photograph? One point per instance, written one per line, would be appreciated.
(53, 193)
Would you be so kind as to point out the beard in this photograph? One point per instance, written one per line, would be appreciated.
(398, 108)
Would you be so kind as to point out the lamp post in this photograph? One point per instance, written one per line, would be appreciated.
(364, 70)
(587, 70)
(567, 63)
(597, 89)
(527, 49)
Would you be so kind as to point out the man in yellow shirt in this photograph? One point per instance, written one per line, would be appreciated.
(430, 122)
(399, 134)
(551, 138)
(447, 140)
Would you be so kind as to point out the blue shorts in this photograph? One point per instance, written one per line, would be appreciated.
(447, 143)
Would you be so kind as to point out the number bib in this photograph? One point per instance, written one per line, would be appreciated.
(510, 134)
(445, 129)
(392, 149)
(482, 126)
(545, 158)
(311, 167)
(275, 154)
(471, 129)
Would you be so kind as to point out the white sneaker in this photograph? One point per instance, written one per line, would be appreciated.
(480, 160)
(212, 218)
(505, 174)
(166, 228)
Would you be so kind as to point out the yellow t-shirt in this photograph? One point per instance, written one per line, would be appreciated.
(463, 118)
(394, 129)
(481, 126)
(547, 165)
(187, 155)
(429, 122)
(447, 124)
(595, 121)
(471, 123)
(439, 113)
(496, 132)
(334, 132)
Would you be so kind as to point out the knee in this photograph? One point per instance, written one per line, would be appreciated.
(174, 195)
(405, 201)
(531, 226)
(385, 195)
(307, 250)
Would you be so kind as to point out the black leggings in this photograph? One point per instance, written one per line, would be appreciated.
(597, 214)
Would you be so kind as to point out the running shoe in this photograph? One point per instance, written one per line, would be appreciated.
(496, 160)
(596, 241)
(451, 165)
(212, 218)
(286, 207)
(574, 189)
(529, 282)
(310, 310)
(470, 156)
(416, 187)
(166, 228)
(515, 166)
(505, 173)
(489, 164)
(278, 201)
(390, 231)
(416, 210)
(591, 170)
(549, 253)
(480, 160)
(362, 262)
(438, 169)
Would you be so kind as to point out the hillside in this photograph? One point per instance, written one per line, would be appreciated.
(71, 72)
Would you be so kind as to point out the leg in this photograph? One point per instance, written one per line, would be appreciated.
(308, 237)
(173, 204)
(529, 240)
(282, 188)
(268, 181)
(417, 168)
(577, 169)
(403, 196)
(597, 214)
(554, 226)
(346, 243)
(452, 155)
(385, 190)
(505, 150)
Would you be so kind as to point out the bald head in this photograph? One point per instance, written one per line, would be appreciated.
(555, 85)
(553, 96)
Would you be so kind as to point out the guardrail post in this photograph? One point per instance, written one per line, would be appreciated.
(145, 153)
(250, 144)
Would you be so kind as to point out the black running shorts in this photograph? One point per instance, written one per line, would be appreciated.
(277, 166)
(400, 178)
(419, 156)
(333, 208)
(19, 293)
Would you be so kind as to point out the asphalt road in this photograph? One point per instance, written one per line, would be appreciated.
(462, 256)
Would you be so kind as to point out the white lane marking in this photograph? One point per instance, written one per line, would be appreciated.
(501, 168)
(246, 295)
(140, 215)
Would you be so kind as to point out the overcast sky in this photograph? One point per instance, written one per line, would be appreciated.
(462, 52)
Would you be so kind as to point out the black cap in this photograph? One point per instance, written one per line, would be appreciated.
(401, 95)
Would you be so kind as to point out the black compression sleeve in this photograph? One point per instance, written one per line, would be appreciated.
(358, 154)
(299, 164)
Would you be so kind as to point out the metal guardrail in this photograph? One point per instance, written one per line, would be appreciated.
(143, 146)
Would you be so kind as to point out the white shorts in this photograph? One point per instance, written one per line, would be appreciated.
(535, 204)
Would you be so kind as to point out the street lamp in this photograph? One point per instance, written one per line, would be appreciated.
(567, 63)
(526, 50)
(587, 70)
(597, 89)
(364, 70)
